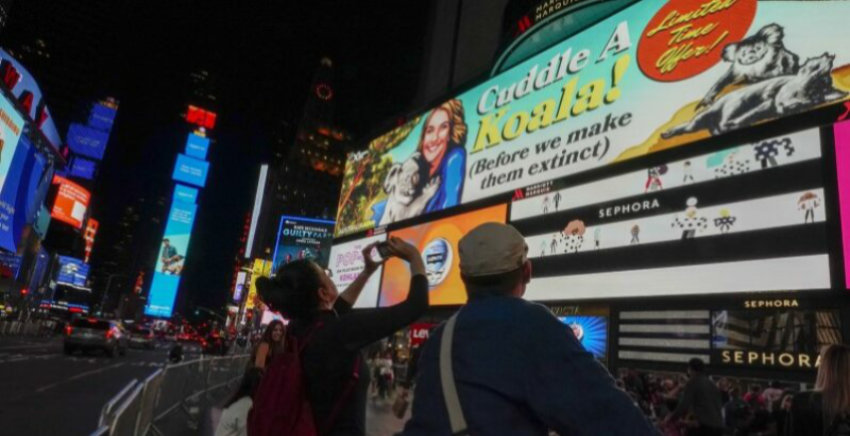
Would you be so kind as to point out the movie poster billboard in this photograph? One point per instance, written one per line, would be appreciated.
(303, 238)
(652, 77)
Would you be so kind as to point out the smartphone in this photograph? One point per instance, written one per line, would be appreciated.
(381, 252)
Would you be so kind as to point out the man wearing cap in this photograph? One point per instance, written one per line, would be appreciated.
(516, 369)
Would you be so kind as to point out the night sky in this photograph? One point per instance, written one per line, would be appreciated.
(263, 55)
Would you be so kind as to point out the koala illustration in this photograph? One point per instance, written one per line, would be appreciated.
(755, 58)
(408, 189)
(811, 86)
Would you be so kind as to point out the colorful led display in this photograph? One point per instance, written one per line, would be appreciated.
(190, 170)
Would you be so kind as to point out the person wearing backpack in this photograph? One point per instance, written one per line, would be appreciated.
(324, 342)
(826, 410)
(506, 366)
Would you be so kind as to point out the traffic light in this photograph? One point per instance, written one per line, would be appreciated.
(24, 292)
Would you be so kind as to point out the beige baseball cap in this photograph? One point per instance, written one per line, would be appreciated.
(491, 248)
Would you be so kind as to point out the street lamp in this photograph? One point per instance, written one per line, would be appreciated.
(108, 286)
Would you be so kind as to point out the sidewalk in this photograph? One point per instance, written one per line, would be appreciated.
(380, 420)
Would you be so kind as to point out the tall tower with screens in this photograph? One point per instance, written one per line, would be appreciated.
(190, 175)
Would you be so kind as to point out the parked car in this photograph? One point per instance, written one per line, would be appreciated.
(95, 334)
(142, 337)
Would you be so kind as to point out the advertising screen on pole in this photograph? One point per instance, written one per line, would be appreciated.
(72, 271)
(72, 201)
(169, 263)
(630, 85)
(197, 146)
(190, 170)
(303, 238)
(86, 141)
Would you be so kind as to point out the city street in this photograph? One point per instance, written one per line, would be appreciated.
(45, 392)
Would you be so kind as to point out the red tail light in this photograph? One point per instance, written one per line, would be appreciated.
(109, 334)
(68, 330)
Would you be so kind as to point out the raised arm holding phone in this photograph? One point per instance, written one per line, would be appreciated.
(321, 316)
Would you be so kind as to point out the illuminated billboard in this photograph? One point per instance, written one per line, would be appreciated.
(302, 238)
(185, 194)
(72, 201)
(197, 146)
(190, 170)
(170, 259)
(200, 117)
(713, 223)
(437, 241)
(26, 90)
(591, 332)
(11, 128)
(261, 268)
(630, 85)
(102, 116)
(346, 263)
(82, 168)
(24, 187)
(72, 272)
(86, 141)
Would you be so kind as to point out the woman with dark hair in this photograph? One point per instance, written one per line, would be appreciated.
(270, 344)
(333, 336)
(442, 146)
(826, 410)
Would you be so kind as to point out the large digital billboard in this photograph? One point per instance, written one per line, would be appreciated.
(746, 218)
(23, 188)
(302, 238)
(72, 272)
(633, 84)
(72, 201)
(437, 241)
(86, 141)
(346, 263)
(11, 128)
(169, 263)
(190, 170)
(26, 90)
(200, 117)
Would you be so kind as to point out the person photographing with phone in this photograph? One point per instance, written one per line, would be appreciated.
(332, 336)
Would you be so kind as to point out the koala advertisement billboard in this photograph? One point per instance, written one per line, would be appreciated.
(654, 76)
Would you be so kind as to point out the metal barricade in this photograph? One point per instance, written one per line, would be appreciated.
(150, 392)
(170, 398)
(107, 412)
(127, 413)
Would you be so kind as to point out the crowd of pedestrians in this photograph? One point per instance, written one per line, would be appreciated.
(500, 365)
(696, 404)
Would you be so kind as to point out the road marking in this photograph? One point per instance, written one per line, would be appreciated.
(77, 377)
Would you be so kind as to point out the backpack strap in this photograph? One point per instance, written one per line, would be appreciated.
(447, 380)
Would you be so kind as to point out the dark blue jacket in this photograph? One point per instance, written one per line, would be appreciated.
(520, 371)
